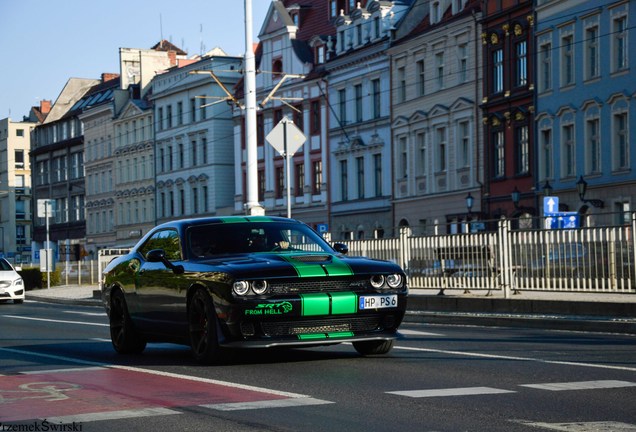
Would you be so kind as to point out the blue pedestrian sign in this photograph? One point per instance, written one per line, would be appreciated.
(562, 220)
(550, 205)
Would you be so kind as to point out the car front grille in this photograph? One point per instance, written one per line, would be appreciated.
(315, 286)
(290, 328)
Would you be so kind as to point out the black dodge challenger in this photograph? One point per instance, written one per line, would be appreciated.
(249, 282)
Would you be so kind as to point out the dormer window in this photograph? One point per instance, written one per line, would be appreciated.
(296, 18)
(277, 68)
(458, 5)
(320, 54)
(352, 6)
(436, 12)
(333, 8)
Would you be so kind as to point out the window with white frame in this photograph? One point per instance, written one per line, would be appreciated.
(522, 145)
(592, 68)
(499, 160)
(421, 77)
(377, 174)
(357, 90)
(401, 74)
(545, 75)
(592, 146)
(360, 176)
(521, 73)
(342, 106)
(546, 152)
(376, 98)
(439, 63)
(497, 71)
(567, 60)
(440, 141)
(344, 180)
(620, 142)
(420, 140)
(436, 12)
(619, 43)
(462, 63)
(568, 161)
(403, 157)
(463, 143)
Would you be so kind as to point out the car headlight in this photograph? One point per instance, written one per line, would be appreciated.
(377, 281)
(259, 287)
(18, 282)
(394, 280)
(241, 287)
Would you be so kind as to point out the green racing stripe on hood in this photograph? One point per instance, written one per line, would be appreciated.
(336, 267)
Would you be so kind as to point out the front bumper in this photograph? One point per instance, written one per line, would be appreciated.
(12, 294)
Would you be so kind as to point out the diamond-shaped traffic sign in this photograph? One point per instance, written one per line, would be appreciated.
(286, 138)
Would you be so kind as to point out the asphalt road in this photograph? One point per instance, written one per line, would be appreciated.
(59, 367)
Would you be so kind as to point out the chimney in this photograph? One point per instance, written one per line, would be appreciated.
(45, 106)
(172, 55)
(109, 76)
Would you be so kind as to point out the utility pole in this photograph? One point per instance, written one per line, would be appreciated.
(252, 206)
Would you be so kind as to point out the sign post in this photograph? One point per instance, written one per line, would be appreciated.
(286, 138)
(45, 207)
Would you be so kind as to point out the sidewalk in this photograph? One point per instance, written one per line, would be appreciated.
(615, 313)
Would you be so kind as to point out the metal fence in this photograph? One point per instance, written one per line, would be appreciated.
(591, 259)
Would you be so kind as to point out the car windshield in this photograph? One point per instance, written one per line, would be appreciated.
(207, 241)
(5, 266)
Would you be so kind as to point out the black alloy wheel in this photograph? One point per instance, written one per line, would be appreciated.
(125, 338)
(373, 347)
(203, 333)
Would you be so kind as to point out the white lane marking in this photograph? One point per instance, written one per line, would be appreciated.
(55, 321)
(279, 403)
(462, 391)
(418, 333)
(583, 426)
(37, 372)
(111, 415)
(160, 373)
(581, 385)
(530, 359)
(99, 314)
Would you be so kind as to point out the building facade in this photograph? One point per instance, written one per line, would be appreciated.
(359, 79)
(15, 190)
(57, 155)
(508, 109)
(436, 121)
(586, 58)
(290, 58)
(194, 144)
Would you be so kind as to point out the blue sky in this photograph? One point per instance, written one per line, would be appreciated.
(46, 42)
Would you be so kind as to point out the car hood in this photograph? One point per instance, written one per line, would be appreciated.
(294, 264)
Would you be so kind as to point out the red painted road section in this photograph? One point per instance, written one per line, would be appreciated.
(65, 393)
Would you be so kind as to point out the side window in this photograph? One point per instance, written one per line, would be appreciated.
(168, 240)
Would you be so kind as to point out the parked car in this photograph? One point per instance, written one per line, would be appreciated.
(250, 282)
(11, 283)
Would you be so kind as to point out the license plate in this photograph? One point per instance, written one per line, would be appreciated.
(378, 301)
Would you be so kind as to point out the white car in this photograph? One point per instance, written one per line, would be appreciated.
(11, 283)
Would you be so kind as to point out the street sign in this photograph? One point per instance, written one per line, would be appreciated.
(46, 207)
(562, 220)
(286, 137)
(550, 205)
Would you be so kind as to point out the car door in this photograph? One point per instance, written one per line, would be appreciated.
(160, 292)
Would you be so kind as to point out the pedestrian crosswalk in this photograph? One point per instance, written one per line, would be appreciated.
(475, 391)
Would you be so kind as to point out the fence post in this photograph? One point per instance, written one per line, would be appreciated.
(505, 252)
(405, 248)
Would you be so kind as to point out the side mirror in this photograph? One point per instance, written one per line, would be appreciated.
(18, 268)
(341, 248)
(159, 255)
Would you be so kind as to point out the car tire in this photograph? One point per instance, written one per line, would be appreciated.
(373, 347)
(124, 336)
(204, 343)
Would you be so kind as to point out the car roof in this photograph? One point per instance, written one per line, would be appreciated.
(226, 220)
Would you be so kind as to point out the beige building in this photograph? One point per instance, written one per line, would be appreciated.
(15, 190)
(436, 119)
